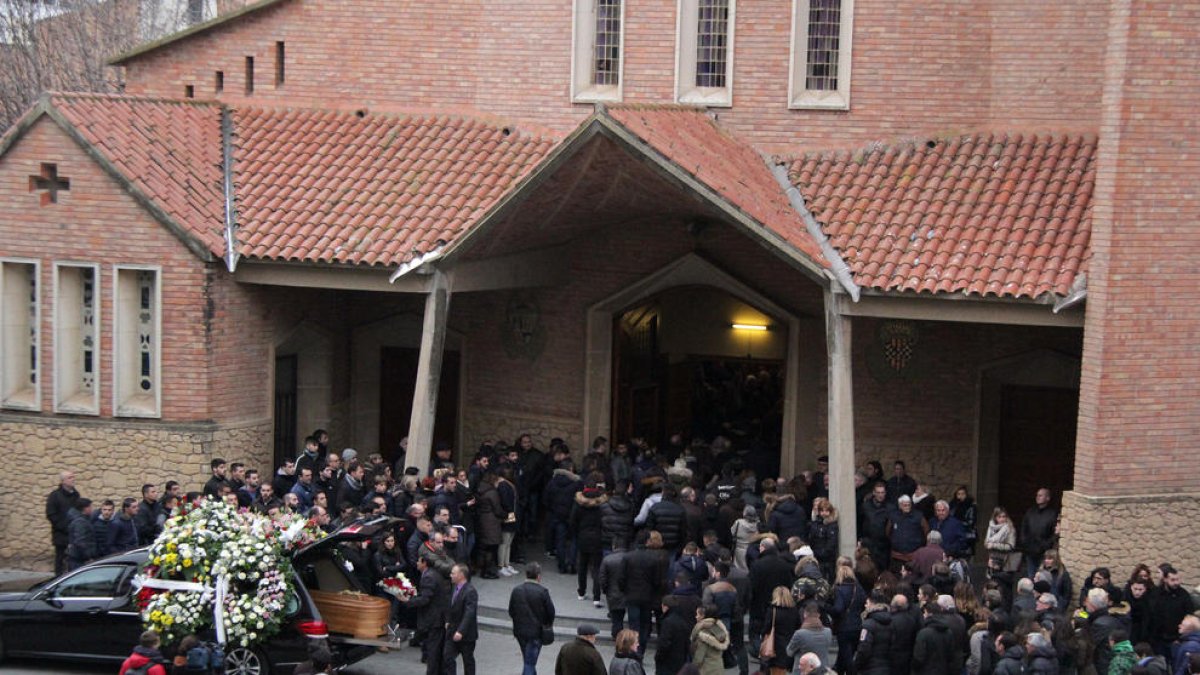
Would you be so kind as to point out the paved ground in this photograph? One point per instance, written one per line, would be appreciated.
(496, 653)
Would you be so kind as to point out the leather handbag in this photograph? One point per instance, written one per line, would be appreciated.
(766, 649)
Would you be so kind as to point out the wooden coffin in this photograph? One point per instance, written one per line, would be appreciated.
(363, 616)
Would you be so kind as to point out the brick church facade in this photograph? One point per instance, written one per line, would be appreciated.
(953, 234)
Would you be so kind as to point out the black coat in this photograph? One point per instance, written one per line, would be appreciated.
(670, 520)
(766, 574)
(560, 493)
(674, 640)
(935, 651)
(579, 657)
(849, 599)
(823, 537)
(1168, 607)
(786, 620)
(904, 634)
(81, 538)
(530, 609)
(874, 654)
(642, 575)
(388, 563)
(873, 528)
(585, 521)
(462, 616)
(616, 521)
(1101, 624)
(58, 506)
(432, 600)
(1011, 662)
(1037, 531)
(611, 569)
(145, 521)
(788, 519)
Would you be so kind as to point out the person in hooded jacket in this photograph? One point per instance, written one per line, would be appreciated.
(691, 563)
(788, 519)
(559, 495)
(873, 656)
(709, 640)
(935, 651)
(1155, 664)
(146, 652)
(616, 517)
(846, 608)
(1012, 656)
(586, 529)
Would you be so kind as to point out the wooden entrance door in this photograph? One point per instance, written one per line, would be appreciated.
(285, 408)
(398, 379)
(1037, 445)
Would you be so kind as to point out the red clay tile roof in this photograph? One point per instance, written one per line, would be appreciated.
(170, 151)
(988, 214)
(376, 189)
(735, 170)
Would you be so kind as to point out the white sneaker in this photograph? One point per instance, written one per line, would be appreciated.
(512, 570)
(597, 604)
(505, 572)
(581, 597)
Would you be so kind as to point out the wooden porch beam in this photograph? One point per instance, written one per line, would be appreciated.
(960, 309)
(300, 275)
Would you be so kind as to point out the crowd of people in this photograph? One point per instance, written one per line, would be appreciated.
(688, 544)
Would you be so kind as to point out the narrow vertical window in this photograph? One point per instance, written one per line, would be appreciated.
(598, 46)
(76, 340)
(19, 352)
(280, 64)
(219, 82)
(189, 91)
(712, 42)
(607, 49)
(249, 75)
(704, 52)
(820, 71)
(195, 12)
(137, 343)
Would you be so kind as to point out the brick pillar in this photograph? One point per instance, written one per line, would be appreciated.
(1139, 416)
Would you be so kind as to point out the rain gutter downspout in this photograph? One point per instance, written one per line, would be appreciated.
(840, 271)
(231, 254)
(417, 263)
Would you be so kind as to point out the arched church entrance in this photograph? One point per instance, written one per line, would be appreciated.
(698, 362)
(628, 332)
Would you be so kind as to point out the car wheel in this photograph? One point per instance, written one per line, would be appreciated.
(246, 661)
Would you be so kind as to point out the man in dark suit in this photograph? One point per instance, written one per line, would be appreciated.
(431, 604)
(462, 626)
(532, 611)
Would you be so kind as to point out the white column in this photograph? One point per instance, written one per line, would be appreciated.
(841, 424)
(429, 372)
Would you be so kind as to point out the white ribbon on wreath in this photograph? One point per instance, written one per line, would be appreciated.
(216, 592)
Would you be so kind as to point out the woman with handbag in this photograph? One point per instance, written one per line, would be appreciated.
(508, 526)
(784, 620)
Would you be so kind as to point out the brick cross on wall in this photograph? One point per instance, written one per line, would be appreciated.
(49, 183)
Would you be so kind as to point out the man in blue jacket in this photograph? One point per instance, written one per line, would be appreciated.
(954, 535)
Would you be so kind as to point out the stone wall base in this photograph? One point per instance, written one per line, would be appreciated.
(1121, 532)
(480, 424)
(111, 460)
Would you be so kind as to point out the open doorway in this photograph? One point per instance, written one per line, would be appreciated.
(398, 377)
(700, 362)
(1037, 444)
(1029, 405)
